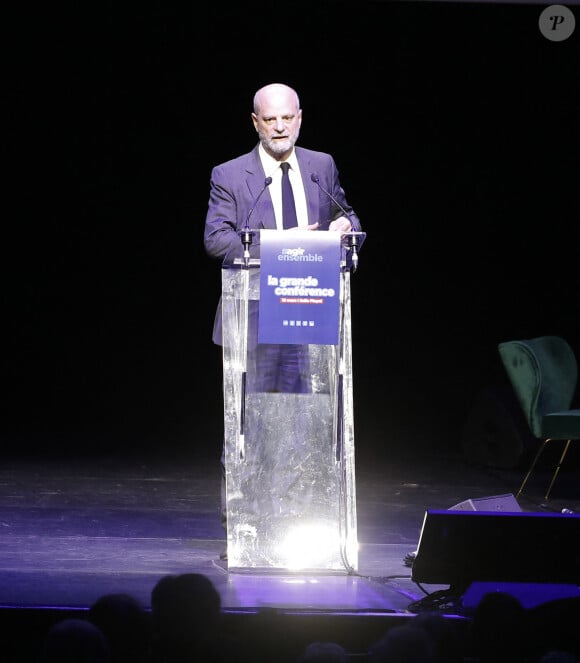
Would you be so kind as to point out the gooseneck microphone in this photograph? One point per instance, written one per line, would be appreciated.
(352, 237)
(247, 234)
(314, 177)
(267, 183)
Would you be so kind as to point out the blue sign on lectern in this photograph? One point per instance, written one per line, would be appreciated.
(299, 287)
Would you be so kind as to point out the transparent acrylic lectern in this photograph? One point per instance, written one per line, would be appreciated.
(289, 457)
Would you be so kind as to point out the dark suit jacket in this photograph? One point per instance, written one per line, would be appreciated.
(236, 184)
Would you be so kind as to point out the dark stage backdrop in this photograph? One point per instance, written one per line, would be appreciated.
(455, 130)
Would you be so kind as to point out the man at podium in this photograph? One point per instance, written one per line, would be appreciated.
(275, 186)
(246, 192)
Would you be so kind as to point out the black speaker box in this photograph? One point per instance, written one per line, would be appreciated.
(459, 547)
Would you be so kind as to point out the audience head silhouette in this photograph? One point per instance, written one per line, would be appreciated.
(75, 641)
(125, 624)
(498, 628)
(186, 617)
(404, 643)
(324, 652)
(446, 640)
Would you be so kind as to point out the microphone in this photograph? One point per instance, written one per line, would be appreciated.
(314, 177)
(267, 183)
(352, 239)
(247, 234)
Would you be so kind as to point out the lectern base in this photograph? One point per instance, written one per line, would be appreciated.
(286, 505)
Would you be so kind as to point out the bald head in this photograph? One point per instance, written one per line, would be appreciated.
(275, 93)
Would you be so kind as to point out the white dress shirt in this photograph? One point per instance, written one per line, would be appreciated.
(273, 170)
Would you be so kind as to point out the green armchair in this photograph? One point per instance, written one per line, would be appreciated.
(543, 372)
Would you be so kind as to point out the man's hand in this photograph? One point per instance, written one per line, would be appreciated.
(342, 224)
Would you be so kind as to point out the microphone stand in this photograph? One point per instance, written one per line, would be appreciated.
(247, 234)
(353, 245)
(355, 239)
(247, 237)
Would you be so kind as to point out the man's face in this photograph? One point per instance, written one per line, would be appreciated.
(278, 122)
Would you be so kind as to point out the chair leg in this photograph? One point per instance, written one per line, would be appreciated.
(557, 470)
(531, 468)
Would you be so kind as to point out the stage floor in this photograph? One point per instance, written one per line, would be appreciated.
(74, 529)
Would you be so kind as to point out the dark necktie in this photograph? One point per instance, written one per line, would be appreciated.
(289, 219)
